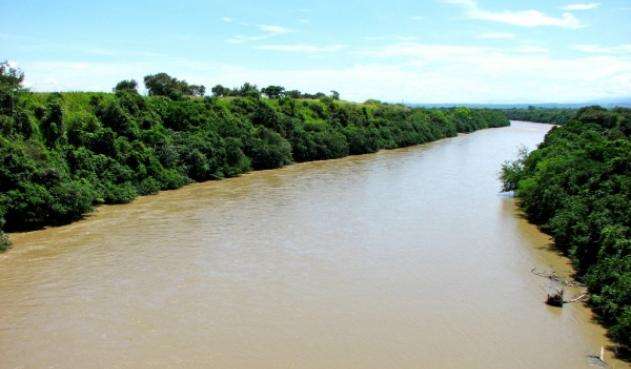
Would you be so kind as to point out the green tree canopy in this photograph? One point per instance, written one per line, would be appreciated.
(126, 85)
(274, 92)
(162, 84)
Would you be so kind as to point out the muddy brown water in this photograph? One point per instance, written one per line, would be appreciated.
(408, 258)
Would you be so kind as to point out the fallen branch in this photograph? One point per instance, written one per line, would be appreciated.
(579, 298)
(545, 275)
(599, 359)
(554, 277)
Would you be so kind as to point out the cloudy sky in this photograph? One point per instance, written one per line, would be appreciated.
(430, 51)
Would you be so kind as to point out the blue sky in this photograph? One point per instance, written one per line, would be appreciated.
(435, 51)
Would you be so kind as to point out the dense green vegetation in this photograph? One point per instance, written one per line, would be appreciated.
(63, 153)
(577, 187)
(558, 116)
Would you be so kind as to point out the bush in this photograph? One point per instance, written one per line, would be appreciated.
(171, 179)
(4, 242)
(268, 149)
(71, 200)
(119, 193)
(28, 207)
(149, 186)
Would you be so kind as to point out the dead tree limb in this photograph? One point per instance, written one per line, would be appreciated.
(576, 299)
(554, 277)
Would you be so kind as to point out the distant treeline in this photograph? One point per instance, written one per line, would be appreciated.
(272, 92)
(577, 187)
(162, 84)
(558, 116)
(63, 153)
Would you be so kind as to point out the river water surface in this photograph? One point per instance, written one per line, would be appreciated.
(408, 258)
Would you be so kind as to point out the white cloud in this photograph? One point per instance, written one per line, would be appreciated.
(531, 49)
(580, 6)
(404, 38)
(227, 19)
(240, 39)
(100, 52)
(117, 53)
(375, 38)
(267, 31)
(597, 49)
(411, 72)
(487, 74)
(426, 51)
(496, 36)
(399, 38)
(522, 18)
(302, 48)
(80, 75)
(273, 30)
(417, 18)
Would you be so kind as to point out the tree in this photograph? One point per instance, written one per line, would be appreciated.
(162, 84)
(196, 90)
(10, 77)
(10, 85)
(126, 85)
(294, 94)
(249, 90)
(335, 95)
(220, 91)
(52, 124)
(274, 92)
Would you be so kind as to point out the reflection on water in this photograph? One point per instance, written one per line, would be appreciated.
(403, 259)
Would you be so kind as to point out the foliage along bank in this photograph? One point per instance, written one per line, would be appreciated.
(63, 153)
(577, 187)
(557, 116)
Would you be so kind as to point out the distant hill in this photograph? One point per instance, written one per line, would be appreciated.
(607, 103)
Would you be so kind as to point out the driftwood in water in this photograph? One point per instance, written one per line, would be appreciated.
(576, 299)
(599, 360)
(554, 277)
(555, 298)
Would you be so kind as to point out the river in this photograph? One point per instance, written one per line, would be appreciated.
(409, 258)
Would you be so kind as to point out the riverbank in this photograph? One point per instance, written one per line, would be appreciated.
(21, 236)
(557, 116)
(577, 187)
(71, 151)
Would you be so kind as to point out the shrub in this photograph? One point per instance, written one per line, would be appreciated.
(268, 149)
(4, 242)
(149, 186)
